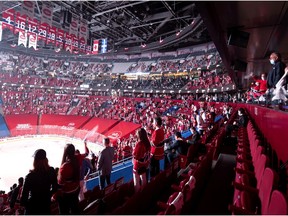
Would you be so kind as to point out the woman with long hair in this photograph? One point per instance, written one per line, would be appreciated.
(39, 186)
(141, 159)
(69, 182)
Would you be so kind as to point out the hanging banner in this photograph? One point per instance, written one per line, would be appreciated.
(22, 40)
(8, 20)
(75, 42)
(73, 31)
(103, 45)
(0, 31)
(60, 38)
(32, 26)
(32, 42)
(42, 32)
(28, 8)
(83, 29)
(20, 23)
(95, 47)
(82, 44)
(68, 42)
(51, 36)
(47, 13)
(88, 50)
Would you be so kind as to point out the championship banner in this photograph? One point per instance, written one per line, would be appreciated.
(42, 31)
(32, 26)
(47, 13)
(95, 47)
(32, 42)
(68, 42)
(0, 31)
(20, 23)
(8, 20)
(60, 38)
(83, 29)
(82, 44)
(74, 26)
(75, 42)
(88, 50)
(52, 35)
(28, 8)
(22, 38)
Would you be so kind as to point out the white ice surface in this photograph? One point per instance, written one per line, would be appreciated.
(16, 155)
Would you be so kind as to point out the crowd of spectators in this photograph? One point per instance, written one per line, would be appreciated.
(193, 62)
(31, 70)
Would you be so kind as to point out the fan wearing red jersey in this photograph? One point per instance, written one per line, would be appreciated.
(157, 147)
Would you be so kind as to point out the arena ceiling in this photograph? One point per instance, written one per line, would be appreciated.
(130, 23)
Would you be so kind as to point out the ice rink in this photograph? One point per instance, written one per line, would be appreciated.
(16, 155)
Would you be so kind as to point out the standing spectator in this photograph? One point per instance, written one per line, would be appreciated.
(105, 163)
(15, 194)
(94, 161)
(39, 186)
(85, 170)
(81, 158)
(69, 181)
(157, 149)
(141, 159)
(276, 73)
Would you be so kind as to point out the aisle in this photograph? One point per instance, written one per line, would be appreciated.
(219, 191)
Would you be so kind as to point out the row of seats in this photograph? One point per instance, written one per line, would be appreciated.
(256, 184)
(99, 201)
(186, 193)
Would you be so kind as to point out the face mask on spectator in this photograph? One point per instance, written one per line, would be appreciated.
(272, 61)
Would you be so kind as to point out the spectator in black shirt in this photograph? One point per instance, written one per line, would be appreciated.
(242, 119)
(275, 74)
(15, 195)
(195, 136)
(179, 147)
(39, 186)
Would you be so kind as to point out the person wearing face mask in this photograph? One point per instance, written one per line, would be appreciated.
(277, 70)
(275, 74)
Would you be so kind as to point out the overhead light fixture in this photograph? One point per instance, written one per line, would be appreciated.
(178, 33)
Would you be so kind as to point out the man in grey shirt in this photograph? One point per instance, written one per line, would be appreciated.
(105, 163)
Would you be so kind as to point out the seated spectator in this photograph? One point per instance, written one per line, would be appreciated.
(195, 136)
(254, 92)
(242, 120)
(262, 83)
(179, 147)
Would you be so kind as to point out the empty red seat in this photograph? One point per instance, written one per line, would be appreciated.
(278, 204)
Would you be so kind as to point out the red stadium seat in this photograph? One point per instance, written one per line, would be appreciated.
(278, 204)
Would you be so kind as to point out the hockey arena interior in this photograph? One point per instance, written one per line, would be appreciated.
(143, 107)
